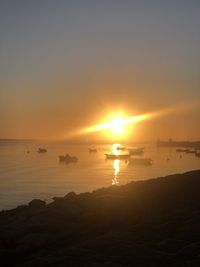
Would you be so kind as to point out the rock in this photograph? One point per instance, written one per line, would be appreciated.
(150, 223)
(70, 195)
(37, 204)
(57, 198)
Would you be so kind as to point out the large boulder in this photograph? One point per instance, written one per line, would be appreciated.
(70, 195)
(37, 204)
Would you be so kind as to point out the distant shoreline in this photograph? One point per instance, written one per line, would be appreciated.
(159, 143)
(171, 143)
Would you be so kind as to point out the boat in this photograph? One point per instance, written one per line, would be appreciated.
(67, 158)
(186, 150)
(197, 153)
(141, 161)
(115, 156)
(42, 150)
(92, 150)
(189, 151)
(121, 148)
(181, 150)
(136, 151)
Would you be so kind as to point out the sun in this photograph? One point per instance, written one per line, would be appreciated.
(117, 126)
(114, 126)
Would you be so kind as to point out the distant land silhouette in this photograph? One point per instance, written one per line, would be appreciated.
(171, 143)
(144, 223)
(161, 143)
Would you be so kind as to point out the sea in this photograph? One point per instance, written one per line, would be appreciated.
(26, 174)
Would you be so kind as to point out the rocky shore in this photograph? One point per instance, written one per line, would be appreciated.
(144, 223)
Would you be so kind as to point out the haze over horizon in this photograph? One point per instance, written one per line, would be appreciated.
(65, 65)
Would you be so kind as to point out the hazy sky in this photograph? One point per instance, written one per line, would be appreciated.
(65, 64)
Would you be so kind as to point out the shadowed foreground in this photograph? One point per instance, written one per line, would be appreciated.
(145, 223)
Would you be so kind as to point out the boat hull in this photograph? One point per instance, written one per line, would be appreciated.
(112, 156)
(141, 161)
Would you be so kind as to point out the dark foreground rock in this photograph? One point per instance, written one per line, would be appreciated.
(145, 223)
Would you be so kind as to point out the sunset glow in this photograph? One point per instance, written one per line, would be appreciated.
(117, 126)
(99, 133)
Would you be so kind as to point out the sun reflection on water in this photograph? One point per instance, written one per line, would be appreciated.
(115, 151)
(116, 166)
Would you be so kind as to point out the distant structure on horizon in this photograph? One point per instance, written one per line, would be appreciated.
(171, 143)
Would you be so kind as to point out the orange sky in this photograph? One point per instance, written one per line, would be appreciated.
(66, 66)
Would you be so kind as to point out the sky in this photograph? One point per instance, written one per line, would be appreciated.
(65, 65)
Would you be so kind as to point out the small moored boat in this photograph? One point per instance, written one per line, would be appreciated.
(181, 150)
(197, 153)
(42, 150)
(190, 151)
(67, 158)
(141, 161)
(115, 156)
(92, 150)
(136, 151)
(121, 148)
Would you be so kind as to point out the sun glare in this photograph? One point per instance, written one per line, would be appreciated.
(114, 127)
(117, 126)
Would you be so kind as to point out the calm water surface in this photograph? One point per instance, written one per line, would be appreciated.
(26, 176)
